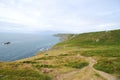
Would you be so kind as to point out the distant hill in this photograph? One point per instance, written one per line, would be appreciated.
(93, 38)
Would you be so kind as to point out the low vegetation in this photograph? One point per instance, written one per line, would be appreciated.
(111, 66)
(65, 56)
(29, 62)
(77, 65)
(103, 46)
(21, 72)
(44, 66)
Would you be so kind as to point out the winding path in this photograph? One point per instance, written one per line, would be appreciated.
(86, 73)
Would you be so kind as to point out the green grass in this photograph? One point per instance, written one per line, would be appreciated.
(105, 44)
(64, 55)
(113, 51)
(25, 74)
(76, 64)
(89, 40)
(46, 58)
(96, 74)
(111, 66)
(102, 53)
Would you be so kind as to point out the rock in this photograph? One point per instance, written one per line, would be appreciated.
(7, 43)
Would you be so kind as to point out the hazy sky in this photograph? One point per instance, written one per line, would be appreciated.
(59, 15)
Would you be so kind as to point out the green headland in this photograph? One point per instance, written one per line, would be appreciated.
(87, 56)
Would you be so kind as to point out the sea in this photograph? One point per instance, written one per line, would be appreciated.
(24, 45)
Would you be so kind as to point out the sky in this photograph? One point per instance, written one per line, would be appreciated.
(68, 16)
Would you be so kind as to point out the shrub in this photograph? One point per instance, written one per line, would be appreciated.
(77, 65)
(28, 62)
(44, 66)
(109, 65)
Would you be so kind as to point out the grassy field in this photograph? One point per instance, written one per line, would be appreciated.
(65, 56)
(19, 71)
(103, 46)
(41, 67)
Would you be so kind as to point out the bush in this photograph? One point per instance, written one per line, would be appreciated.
(28, 62)
(111, 66)
(46, 58)
(44, 66)
(77, 65)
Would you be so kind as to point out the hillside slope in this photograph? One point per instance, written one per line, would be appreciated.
(88, 56)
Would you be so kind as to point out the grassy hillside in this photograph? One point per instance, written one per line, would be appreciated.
(93, 39)
(65, 59)
(20, 71)
(103, 46)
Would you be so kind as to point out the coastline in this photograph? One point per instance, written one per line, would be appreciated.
(63, 58)
(43, 48)
(61, 38)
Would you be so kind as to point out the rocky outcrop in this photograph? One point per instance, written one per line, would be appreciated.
(6, 43)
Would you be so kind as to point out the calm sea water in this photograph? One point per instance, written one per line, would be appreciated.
(24, 45)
